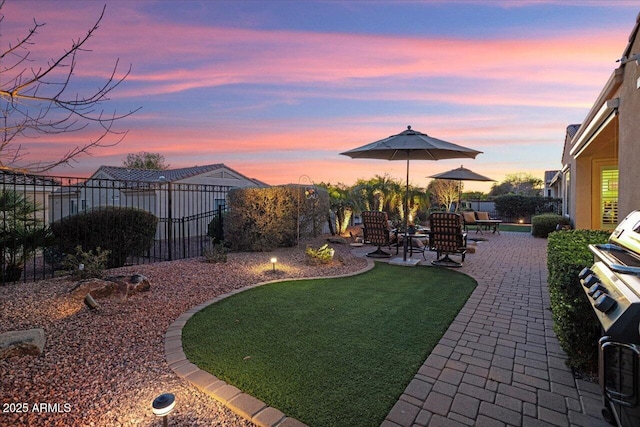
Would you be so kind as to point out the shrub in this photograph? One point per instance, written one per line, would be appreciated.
(575, 323)
(262, 219)
(21, 234)
(122, 231)
(84, 265)
(514, 206)
(542, 225)
(322, 255)
(216, 253)
(215, 228)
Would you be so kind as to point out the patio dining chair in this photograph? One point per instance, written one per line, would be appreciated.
(447, 237)
(378, 232)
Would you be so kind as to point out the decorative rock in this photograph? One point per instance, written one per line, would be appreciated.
(21, 343)
(98, 288)
(122, 286)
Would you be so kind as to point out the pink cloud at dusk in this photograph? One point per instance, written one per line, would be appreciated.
(275, 93)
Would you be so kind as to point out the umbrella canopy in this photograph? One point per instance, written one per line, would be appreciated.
(461, 174)
(411, 145)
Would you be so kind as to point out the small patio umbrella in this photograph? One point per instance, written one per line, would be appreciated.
(461, 174)
(410, 145)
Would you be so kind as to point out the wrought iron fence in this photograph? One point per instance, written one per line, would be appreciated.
(29, 203)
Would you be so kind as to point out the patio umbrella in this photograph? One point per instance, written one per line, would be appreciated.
(410, 145)
(461, 174)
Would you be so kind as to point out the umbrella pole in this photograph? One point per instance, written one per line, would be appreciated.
(406, 215)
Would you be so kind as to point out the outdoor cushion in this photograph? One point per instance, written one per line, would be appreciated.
(483, 216)
(469, 217)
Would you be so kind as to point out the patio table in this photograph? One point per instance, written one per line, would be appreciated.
(494, 223)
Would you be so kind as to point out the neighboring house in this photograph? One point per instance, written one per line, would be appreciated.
(600, 175)
(34, 188)
(186, 197)
(551, 187)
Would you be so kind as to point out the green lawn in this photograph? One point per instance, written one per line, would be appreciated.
(523, 228)
(329, 352)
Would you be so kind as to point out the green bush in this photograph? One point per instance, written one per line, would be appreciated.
(215, 253)
(575, 323)
(84, 265)
(542, 225)
(22, 233)
(514, 206)
(322, 255)
(121, 231)
(262, 219)
(215, 228)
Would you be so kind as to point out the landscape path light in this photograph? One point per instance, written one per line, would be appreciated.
(273, 261)
(163, 405)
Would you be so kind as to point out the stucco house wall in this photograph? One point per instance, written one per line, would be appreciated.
(606, 144)
(629, 132)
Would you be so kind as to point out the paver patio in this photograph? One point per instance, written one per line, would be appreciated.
(498, 364)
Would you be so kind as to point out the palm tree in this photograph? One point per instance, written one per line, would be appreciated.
(21, 233)
(342, 202)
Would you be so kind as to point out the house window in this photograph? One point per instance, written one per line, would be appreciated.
(73, 207)
(83, 204)
(609, 196)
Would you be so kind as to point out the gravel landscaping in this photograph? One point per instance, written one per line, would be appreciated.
(104, 367)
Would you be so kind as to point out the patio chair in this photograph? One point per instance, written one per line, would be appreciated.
(378, 232)
(469, 218)
(447, 237)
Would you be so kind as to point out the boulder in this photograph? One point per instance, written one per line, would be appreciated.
(120, 286)
(21, 343)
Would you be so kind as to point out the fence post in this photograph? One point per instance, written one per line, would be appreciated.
(169, 221)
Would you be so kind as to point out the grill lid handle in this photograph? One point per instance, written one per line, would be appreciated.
(625, 269)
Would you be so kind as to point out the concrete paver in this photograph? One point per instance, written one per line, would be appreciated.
(500, 363)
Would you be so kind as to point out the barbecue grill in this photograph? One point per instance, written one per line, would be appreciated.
(612, 285)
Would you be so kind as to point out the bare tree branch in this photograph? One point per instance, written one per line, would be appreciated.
(39, 100)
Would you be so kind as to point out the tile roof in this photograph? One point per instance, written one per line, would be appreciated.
(20, 178)
(572, 129)
(146, 175)
(170, 175)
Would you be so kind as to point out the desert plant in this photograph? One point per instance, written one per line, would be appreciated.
(21, 233)
(322, 255)
(216, 253)
(84, 265)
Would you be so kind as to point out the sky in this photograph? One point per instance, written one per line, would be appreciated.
(278, 89)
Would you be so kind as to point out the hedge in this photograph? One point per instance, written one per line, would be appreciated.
(575, 322)
(122, 231)
(262, 219)
(542, 225)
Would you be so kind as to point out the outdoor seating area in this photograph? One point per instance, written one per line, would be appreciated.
(499, 362)
(481, 220)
